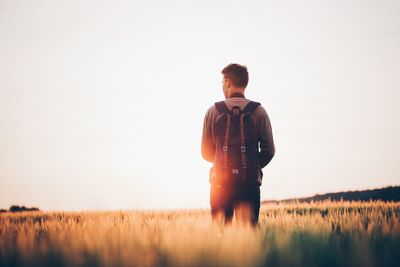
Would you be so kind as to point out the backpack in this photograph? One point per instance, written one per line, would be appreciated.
(236, 155)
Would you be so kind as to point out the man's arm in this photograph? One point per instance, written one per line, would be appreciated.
(267, 147)
(207, 141)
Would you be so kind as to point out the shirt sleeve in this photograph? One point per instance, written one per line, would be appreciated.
(207, 141)
(266, 140)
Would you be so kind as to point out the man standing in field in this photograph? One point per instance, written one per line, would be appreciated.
(237, 139)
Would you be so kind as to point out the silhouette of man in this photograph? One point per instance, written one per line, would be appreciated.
(227, 197)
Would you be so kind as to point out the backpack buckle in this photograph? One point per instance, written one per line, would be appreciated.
(225, 148)
(243, 149)
(244, 165)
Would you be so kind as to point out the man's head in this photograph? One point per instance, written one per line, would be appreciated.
(235, 79)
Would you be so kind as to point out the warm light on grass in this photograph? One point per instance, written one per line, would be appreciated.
(315, 234)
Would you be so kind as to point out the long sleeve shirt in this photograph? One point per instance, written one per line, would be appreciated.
(262, 126)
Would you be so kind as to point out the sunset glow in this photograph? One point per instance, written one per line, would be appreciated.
(102, 103)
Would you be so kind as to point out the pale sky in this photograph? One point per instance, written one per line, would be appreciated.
(102, 102)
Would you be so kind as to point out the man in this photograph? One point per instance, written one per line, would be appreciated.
(227, 196)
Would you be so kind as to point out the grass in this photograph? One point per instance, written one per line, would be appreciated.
(315, 234)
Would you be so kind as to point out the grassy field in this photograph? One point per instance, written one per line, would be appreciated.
(316, 234)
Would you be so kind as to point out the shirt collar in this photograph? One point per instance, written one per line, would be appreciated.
(237, 95)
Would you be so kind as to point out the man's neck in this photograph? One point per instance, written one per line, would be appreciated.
(237, 94)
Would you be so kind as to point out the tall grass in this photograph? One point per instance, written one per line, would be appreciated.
(315, 234)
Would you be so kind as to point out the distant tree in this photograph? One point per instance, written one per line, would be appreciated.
(390, 193)
(15, 208)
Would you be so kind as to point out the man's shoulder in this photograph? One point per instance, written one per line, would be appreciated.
(211, 112)
(259, 113)
(212, 108)
(260, 110)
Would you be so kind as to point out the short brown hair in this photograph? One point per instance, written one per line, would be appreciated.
(237, 74)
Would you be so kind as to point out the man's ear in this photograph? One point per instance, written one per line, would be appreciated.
(228, 83)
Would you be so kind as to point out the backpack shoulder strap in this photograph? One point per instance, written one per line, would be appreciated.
(251, 106)
(221, 106)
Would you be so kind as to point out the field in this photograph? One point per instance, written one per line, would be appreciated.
(315, 234)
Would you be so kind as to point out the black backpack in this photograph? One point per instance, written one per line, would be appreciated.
(236, 156)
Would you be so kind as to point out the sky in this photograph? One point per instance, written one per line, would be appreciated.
(102, 102)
